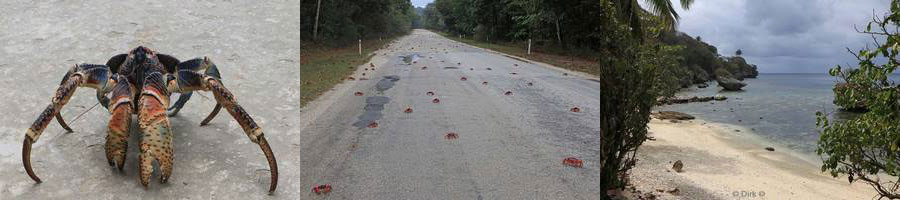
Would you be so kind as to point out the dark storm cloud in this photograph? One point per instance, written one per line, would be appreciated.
(783, 35)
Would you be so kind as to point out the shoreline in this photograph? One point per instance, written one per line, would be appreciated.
(721, 163)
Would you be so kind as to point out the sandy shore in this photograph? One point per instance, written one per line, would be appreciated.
(722, 161)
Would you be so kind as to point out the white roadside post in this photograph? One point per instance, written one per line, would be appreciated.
(360, 47)
(529, 46)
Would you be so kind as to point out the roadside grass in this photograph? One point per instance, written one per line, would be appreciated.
(550, 55)
(322, 67)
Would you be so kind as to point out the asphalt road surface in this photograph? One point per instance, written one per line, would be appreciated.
(508, 146)
(255, 45)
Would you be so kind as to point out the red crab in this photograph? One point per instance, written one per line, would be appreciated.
(373, 125)
(573, 162)
(358, 93)
(463, 78)
(408, 110)
(508, 93)
(575, 109)
(436, 100)
(451, 135)
(429, 93)
(322, 189)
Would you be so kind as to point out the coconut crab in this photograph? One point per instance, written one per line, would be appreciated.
(140, 82)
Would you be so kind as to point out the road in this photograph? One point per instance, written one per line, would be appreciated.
(255, 45)
(508, 146)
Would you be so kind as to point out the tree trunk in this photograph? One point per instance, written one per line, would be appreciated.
(316, 26)
(558, 36)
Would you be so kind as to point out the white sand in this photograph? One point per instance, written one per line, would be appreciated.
(721, 163)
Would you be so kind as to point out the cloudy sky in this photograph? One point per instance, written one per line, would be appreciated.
(807, 36)
(421, 3)
(783, 35)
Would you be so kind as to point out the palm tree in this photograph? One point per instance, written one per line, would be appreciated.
(630, 11)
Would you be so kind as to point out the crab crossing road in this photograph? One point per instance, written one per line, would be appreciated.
(508, 146)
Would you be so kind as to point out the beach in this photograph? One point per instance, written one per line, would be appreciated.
(723, 161)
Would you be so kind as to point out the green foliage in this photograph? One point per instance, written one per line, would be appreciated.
(738, 52)
(849, 94)
(633, 75)
(561, 22)
(723, 73)
(343, 22)
(705, 56)
(865, 148)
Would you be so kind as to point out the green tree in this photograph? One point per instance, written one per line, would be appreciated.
(630, 11)
(865, 148)
(738, 52)
(633, 75)
(343, 22)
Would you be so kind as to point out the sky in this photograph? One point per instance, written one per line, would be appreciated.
(780, 36)
(421, 3)
(784, 36)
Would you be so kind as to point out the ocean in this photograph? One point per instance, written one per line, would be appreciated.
(778, 107)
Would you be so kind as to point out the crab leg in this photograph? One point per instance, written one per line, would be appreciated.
(226, 99)
(209, 81)
(156, 143)
(62, 122)
(85, 75)
(211, 115)
(119, 123)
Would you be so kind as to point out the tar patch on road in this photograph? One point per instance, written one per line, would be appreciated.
(375, 104)
(386, 83)
(372, 111)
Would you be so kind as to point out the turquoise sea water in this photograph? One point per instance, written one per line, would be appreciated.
(777, 107)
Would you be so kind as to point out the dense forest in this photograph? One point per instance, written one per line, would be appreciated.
(343, 22)
(571, 25)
